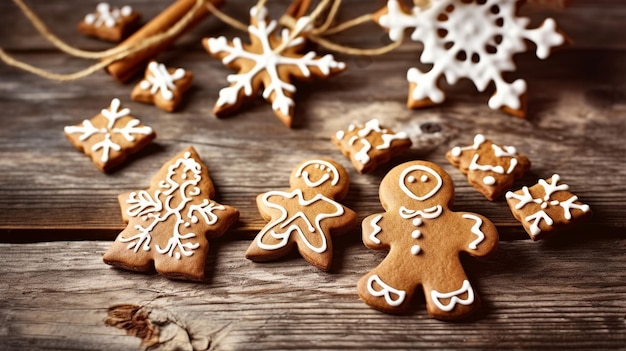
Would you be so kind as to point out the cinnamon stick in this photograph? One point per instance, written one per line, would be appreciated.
(127, 67)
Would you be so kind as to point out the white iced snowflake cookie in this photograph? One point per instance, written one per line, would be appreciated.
(546, 207)
(261, 68)
(469, 39)
(111, 136)
(169, 223)
(162, 86)
(110, 23)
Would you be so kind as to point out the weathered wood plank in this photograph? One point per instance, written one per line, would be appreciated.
(46, 184)
(550, 294)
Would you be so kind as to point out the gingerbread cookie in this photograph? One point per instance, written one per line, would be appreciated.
(491, 169)
(546, 208)
(109, 137)
(162, 86)
(261, 67)
(424, 239)
(305, 216)
(170, 222)
(468, 39)
(110, 23)
(370, 145)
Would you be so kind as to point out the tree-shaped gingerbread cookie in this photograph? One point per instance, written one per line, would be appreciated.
(306, 215)
(424, 239)
(170, 222)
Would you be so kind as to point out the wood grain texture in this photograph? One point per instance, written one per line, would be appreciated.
(57, 294)
(565, 293)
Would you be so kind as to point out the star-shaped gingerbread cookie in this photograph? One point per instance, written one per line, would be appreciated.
(263, 65)
(170, 222)
(162, 86)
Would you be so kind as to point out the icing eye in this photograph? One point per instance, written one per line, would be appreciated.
(410, 179)
(424, 178)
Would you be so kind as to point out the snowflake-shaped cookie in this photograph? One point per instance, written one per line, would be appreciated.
(469, 39)
(109, 137)
(546, 207)
(162, 86)
(110, 23)
(169, 223)
(260, 66)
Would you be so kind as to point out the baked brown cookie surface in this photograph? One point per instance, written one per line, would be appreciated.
(304, 216)
(424, 239)
(169, 223)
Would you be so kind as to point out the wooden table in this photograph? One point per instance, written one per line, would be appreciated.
(58, 213)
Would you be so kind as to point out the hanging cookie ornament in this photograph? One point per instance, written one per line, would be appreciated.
(473, 39)
(268, 63)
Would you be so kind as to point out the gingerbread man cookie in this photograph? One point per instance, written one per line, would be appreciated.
(546, 208)
(110, 23)
(490, 168)
(305, 216)
(262, 65)
(162, 86)
(370, 145)
(424, 239)
(170, 222)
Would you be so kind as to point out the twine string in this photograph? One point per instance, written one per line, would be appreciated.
(109, 56)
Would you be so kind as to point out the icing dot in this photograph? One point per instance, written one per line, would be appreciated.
(410, 179)
(415, 249)
(145, 85)
(544, 205)
(126, 10)
(187, 154)
(456, 151)
(424, 178)
(144, 218)
(90, 18)
(187, 224)
(177, 255)
(416, 234)
(489, 180)
(194, 219)
(555, 203)
(340, 134)
(417, 222)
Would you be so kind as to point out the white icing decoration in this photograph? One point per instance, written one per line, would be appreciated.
(386, 291)
(416, 234)
(340, 134)
(267, 61)
(409, 193)
(415, 249)
(454, 297)
(158, 208)
(377, 229)
(549, 189)
(372, 126)
(469, 29)
(159, 79)
(112, 114)
(107, 16)
(505, 151)
(331, 173)
(312, 226)
(475, 230)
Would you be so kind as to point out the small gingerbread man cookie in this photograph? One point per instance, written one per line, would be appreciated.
(110, 136)
(370, 145)
(162, 86)
(490, 168)
(170, 222)
(110, 23)
(546, 207)
(424, 239)
(306, 215)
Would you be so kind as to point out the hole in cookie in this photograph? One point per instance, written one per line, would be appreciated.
(498, 39)
(499, 22)
(430, 128)
(442, 33)
(475, 58)
(442, 17)
(448, 45)
(495, 9)
(450, 8)
(491, 49)
(461, 55)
